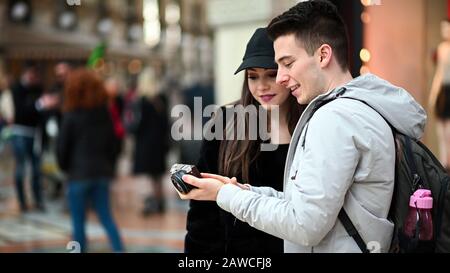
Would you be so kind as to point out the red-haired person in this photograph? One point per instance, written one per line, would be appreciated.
(87, 148)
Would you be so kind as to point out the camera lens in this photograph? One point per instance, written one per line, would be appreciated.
(177, 180)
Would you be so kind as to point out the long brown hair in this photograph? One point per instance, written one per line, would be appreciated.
(83, 90)
(236, 156)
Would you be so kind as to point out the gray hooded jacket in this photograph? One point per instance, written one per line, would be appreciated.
(342, 156)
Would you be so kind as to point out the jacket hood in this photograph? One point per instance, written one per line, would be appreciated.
(395, 104)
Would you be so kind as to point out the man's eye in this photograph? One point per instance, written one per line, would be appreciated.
(289, 65)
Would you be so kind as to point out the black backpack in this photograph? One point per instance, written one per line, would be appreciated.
(415, 167)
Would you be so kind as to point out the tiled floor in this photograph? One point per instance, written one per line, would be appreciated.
(51, 231)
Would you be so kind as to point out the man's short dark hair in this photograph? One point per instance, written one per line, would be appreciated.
(314, 23)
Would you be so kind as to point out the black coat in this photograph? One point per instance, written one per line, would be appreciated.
(213, 230)
(152, 137)
(87, 146)
(25, 111)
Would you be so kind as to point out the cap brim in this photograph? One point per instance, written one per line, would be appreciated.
(257, 62)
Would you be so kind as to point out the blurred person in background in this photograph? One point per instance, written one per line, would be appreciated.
(6, 102)
(61, 71)
(209, 228)
(439, 99)
(113, 89)
(6, 110)
(29, 107)
(86, 151)
(151, 134)
(116, 106)
(52, 122)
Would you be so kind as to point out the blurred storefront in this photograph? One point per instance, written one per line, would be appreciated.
(170, 35)
(400, 42)
(49, 31)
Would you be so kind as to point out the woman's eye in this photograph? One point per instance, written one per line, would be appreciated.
(252, 78)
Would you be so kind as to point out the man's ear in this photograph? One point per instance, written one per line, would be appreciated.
(324, 52)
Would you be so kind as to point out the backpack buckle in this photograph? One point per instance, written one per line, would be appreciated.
(417, 181)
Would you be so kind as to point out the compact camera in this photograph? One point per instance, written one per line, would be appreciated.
(176, 175)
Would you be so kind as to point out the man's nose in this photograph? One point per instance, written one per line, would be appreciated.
(282, 79)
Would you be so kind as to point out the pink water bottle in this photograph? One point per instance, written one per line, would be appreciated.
(419, 223)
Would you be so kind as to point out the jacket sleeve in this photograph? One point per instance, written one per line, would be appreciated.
(315, 197)
(65, 143)
(205, 230)
(267, 191)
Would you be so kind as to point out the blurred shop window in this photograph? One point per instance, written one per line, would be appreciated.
(66, 17)
(105, 24)
(152, 24)
(134, 30)
(173, 28)
(20, 11)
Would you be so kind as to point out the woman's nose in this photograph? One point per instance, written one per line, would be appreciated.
(263, 85)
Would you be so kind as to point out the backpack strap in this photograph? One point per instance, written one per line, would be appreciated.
(417, 180)
(394, 131)
(351, 230)
(320, 104)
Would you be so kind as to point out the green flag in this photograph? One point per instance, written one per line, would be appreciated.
(97, 54)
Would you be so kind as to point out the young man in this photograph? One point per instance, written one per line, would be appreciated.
(341, 156)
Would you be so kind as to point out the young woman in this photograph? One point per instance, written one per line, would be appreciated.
(210, 229)
(87, 148)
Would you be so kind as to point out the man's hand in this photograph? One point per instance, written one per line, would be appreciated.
(48, 101)
(226, 180)
(208, 186)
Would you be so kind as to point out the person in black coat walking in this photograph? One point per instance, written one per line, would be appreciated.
(29, 107)
(151, 137)
(86, 150)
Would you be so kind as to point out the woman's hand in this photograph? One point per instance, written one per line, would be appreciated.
(208, 188)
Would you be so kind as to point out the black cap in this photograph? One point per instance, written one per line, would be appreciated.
(259, 52)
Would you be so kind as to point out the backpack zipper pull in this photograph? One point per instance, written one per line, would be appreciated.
(416, 181)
